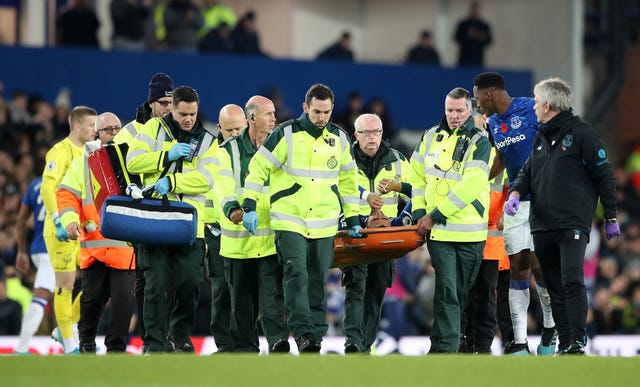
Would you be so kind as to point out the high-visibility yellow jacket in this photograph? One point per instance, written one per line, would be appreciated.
(311, 173)
(454, 193)
(148, 156)
(75, 201)
(58, 161)
(387, 163)
(236, 241)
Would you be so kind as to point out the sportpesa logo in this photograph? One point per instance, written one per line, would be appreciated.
(510, 140)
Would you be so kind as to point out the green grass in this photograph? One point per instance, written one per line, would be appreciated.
(313, 370)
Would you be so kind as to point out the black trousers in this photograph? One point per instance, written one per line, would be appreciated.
(479, 320)
(561, 256)
(220, 298)
(99, 284)
(365, 287)
(166, 268)
(504, 311)
(242, 276)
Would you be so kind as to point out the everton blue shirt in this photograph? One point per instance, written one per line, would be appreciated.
(33, 199)
(513, 134)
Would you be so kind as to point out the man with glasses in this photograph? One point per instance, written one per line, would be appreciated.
(157, 105)
(383, 167)
(106, 265)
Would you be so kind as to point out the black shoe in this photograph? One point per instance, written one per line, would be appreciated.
(519, 349)
(482, 351)
(88, 347)
(307, 343)
(351, 348)
(577, 348)
(181, 345)
(280, 346)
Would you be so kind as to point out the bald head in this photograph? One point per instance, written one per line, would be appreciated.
(107, 126)
(231, 120)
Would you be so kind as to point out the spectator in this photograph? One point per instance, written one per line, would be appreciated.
(128, 17)
(424, 52)
(340, 50)
(182, 20)
(378, 107)
(217, 40)
(245, 36)
(78, 25)
(347, 117)
(473, 36)
(10, 312)
(215, 14)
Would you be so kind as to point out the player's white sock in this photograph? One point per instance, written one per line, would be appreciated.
(519, 303)
(545, 304)
(31, 322)
(76, 335)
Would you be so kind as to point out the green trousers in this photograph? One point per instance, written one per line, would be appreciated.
(456, 266)
(272, 314)
(305, 265)
(164, 267)
(365, 286)
(220, 298)
(242, 275)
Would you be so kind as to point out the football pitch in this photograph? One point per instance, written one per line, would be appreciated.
(314, 370)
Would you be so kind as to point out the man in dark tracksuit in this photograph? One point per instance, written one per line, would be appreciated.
(378, 165)
(566, 173)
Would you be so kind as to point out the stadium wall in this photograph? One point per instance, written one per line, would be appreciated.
(117, 81)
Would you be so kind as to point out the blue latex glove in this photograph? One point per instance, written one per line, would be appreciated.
(162, 186)
(250, 221)
(179, 150)
(512, 205)
(354, 232)
(61, 233)
(612, 230)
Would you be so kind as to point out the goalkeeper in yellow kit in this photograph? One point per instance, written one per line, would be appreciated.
(64, 253)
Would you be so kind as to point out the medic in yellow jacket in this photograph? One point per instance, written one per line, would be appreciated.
(311, 174)
(75, 201)
(149, 155)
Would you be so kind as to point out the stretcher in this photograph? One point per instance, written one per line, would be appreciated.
(378, 245)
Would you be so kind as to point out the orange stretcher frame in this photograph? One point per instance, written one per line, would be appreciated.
(379, 245)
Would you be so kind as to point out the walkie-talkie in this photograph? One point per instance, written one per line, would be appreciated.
(460, 149)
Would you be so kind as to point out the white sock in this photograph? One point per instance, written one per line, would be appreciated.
(69, 344)
(30, 323)
(76, 335)
(518, 304)
(545, 303)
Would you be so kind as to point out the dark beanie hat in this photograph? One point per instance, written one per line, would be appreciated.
(161, 85)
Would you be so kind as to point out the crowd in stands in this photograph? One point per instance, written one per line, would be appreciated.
(30, 125)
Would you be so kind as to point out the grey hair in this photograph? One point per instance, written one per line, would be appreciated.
(459, 93)
(556, 92)
(251, 108)
(101, 117)
(367, 116)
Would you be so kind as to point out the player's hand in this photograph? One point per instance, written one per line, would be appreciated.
(22, 262)
(61, 233)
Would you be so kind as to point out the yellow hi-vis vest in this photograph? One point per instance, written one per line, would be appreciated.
(147, 156)
(459, 190)
(236, 241)
(311, 173)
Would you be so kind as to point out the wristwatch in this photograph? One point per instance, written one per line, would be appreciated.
(612, 220)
